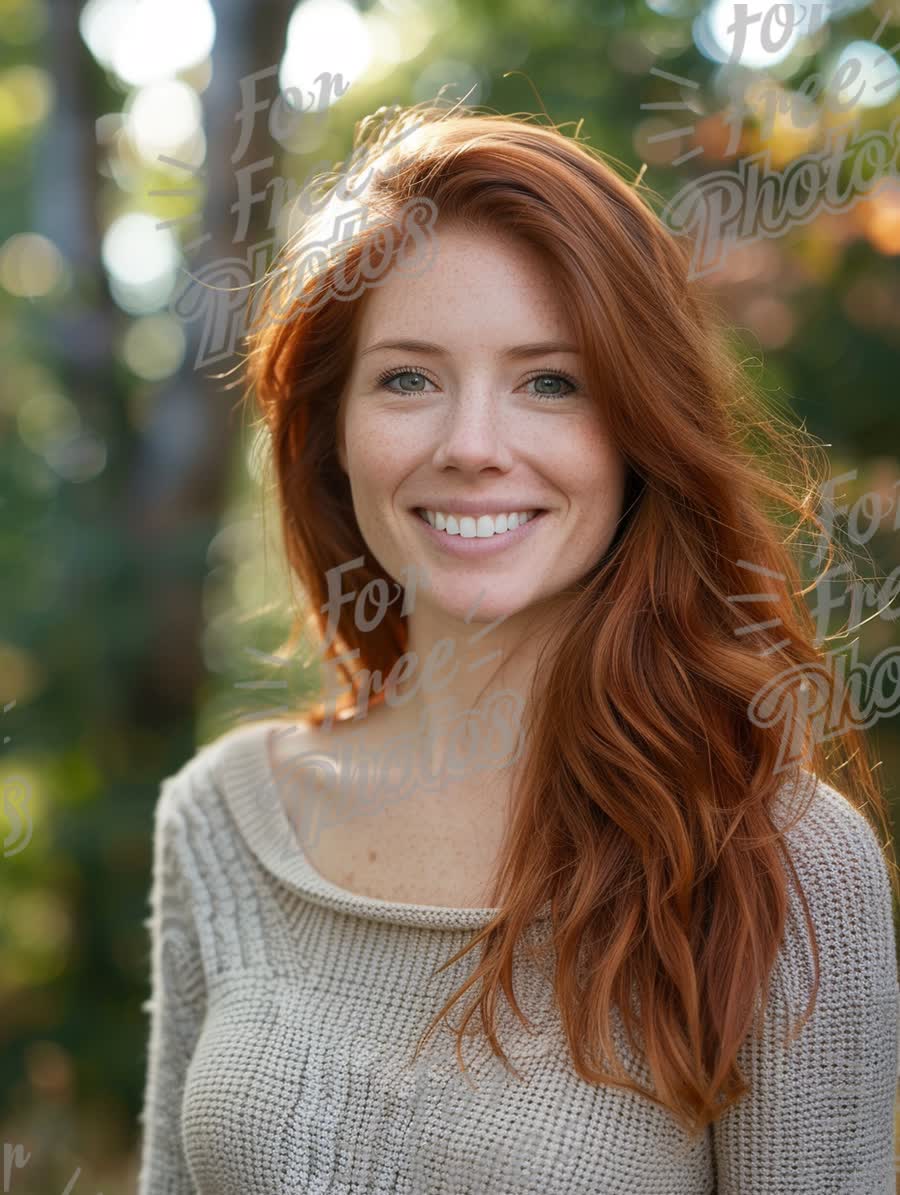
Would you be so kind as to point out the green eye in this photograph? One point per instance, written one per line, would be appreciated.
(391, 375)
(553, 379)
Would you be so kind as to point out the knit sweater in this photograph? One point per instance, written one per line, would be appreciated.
(285, 1010)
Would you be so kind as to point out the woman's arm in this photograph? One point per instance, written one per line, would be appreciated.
(819, 1117)
(177, 1004)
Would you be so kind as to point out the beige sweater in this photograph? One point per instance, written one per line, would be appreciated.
(284, 1011)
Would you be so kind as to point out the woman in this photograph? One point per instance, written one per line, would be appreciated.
(521, 483)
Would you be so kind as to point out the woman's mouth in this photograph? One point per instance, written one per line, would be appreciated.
(465, 535)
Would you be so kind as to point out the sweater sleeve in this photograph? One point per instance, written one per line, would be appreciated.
(819, 1116)
(177, 1003)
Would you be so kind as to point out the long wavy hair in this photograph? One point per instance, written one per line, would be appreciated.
(685, 660)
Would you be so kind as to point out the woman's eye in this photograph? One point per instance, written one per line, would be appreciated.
(554, 380)
(419, 381)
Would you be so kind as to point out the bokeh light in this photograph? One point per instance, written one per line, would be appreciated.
(878, 215)
(398, 32)
(26, 99)
(153, 346)
(141, 260)
(143, 42)
(166, 118)
(31, 266)
(755, 33)
(324, 36)
(873, 78)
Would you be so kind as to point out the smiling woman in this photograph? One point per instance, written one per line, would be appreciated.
(694, 941)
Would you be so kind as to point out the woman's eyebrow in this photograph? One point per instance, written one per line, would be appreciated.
(425, 346)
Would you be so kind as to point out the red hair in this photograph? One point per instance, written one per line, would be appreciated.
(646, 794)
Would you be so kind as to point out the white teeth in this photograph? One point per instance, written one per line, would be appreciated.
(480, 527)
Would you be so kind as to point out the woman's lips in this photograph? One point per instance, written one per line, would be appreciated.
(459, 545)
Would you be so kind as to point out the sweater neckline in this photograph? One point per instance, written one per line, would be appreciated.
(250, 791)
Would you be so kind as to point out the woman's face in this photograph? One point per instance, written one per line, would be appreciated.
(475, 421)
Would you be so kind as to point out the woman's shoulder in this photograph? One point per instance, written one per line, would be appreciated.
(828, 834)
(197, 787)
(843, 871)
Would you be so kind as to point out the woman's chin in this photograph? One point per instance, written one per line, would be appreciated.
(478, 603)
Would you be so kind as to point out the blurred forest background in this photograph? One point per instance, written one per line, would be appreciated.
(141, 591)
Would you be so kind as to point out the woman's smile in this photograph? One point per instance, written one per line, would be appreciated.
(469, 536)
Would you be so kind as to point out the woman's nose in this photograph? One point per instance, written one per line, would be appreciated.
(474, 435)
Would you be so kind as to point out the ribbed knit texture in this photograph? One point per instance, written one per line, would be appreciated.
(285, 1009)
